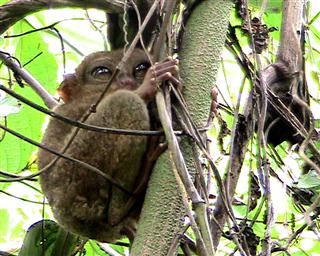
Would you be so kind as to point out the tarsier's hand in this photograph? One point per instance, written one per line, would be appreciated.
(165, 70)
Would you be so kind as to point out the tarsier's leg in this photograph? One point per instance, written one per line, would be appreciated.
(123, 109)
(79, 196)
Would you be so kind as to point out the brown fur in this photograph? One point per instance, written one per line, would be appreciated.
(82, 201)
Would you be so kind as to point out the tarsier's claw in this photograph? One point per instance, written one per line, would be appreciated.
(214, 93)
(164, 76)
(176, 81)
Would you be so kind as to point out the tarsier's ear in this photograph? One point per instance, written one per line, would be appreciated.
(68, 87)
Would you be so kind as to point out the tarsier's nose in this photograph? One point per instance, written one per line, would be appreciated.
(127, 82)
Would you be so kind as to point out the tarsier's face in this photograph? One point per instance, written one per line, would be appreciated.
(97, 69)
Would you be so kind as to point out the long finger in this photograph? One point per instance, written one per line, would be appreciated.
(169, 69)
(168, 76)
(163, 65)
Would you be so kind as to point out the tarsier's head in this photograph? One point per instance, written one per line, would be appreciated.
(97, 68)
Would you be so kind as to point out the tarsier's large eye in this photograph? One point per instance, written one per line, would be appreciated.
(101, 72)
(141, 69)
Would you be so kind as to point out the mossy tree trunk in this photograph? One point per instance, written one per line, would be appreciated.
(203, 40)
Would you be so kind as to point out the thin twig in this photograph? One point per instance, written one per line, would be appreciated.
(20, 198)
(179, 162)
(308, 138)
(62, 48)
(78, 123)
(88, 126)
(29, 79)
(11, 175)
(81, 163)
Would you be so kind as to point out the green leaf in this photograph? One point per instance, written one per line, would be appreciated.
(309, 180)
(14, 152)
(44, 67)
(4, 224)
(8, 105)
(93, 249)
(46, 238)
(273, 5)
(3, 1)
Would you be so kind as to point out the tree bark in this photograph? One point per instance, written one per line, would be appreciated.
(15, 10)
(290, 47)
(161, 220)
(200, 56)
(202, 45)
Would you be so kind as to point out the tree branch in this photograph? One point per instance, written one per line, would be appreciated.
(15, 10)
(29, 79)
(290, 47)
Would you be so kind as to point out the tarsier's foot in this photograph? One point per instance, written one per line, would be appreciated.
(214, 101)
(165, 70)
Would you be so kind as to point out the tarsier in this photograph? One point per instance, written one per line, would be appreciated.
(284, 87)
(84, 202)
